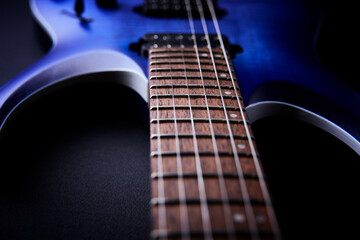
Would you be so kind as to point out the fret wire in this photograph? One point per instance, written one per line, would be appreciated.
(248, 208)
(207, 175)
(169, 153)
(221, 234)
(161, 50)
(171, 201)
(188, 69)
(186, 62)
(183, 208)
(195, 107)
(180, 56)
(161, 190)
(191, 85)
(190, 95)
(187, 135)
(217, 120)
(191, 77)
(263, 186)
(222, 185)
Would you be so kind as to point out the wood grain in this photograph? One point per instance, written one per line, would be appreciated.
(196, 130)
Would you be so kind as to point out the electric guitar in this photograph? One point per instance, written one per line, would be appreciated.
(186, 59)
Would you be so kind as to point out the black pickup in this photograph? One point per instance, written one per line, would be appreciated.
(176, 9)
(177, 40)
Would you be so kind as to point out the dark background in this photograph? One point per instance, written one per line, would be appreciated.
(77, 167)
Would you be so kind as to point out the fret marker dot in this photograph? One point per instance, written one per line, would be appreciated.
(204, 55)
(239, 218)
(223, 75)
(233, 115)
(227, 92)
(241, 146)
(260, 218)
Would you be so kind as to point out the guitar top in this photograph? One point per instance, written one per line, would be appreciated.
(278, 66)
(209, 67)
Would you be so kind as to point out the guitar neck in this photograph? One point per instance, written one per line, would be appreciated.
(207, 180)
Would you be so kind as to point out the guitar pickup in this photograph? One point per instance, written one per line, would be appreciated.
(176, 9)
(181, 40)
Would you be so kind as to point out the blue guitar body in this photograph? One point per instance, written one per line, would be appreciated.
(278, 71)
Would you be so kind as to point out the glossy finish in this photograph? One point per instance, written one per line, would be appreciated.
(278, 63)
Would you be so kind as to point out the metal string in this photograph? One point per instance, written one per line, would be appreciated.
(161, 191)
(205, 214)
(184, 219)
(222, 185)
(245, 193)
(263, 186)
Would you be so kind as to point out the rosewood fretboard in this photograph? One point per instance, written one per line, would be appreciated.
(207, 182)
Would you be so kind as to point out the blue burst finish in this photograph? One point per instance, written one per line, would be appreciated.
(277, 70)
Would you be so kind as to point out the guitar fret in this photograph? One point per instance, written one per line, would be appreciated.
(191, 95)
(161, 56)
(186, 62)
(175, 201)
(190, 135)
(183, 50)
(154, 86)
(189, 153)
(205, 175)
(191, 77)
(223, 234)
(174, 69)
(194, 107)
(214, 120)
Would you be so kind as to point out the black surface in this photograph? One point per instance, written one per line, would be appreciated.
(75, 166)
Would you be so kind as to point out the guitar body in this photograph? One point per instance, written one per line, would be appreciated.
(278, 71)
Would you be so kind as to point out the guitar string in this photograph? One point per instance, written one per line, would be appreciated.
(266, 195)
(205, 213)
(161, 189)
(184, 218)
(222, 186)
(243, 187)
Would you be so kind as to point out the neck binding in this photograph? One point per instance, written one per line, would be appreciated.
(204, 180)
